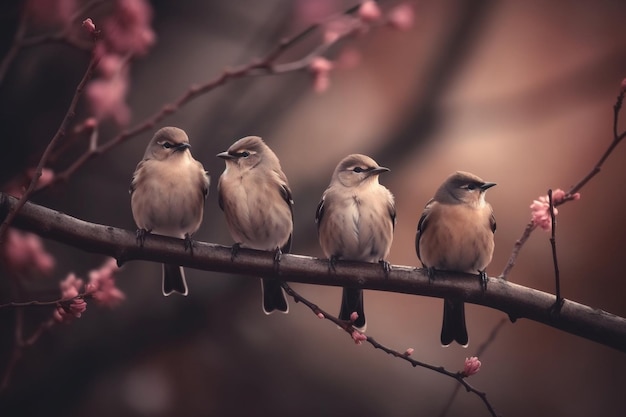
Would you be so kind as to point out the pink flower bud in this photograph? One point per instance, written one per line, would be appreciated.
(89, 26)
(409, 352)
(557, 195)
(320, 315)
(320, 67)
(623, 85)
(402, 17)
(472, 366)
(354, 316)
(358, 337)
(369, 11)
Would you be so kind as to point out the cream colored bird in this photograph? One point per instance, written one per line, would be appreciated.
(456, 233)
(355, 221)
(255, 197)
(167, 196)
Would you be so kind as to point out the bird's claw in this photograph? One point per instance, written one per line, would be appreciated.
(430, 271)
(278, 254)
(483, 280)
(188, 243)
(234, 250)
(141, 236)
(332, 263)
(386, 267)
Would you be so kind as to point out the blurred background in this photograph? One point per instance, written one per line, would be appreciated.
(519, 93)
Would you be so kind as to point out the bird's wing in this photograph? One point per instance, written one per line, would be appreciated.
(421, 226)
(285, 192)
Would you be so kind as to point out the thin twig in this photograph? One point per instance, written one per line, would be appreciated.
(62, 36)
(264, 66)
(348, 328)
(571, 194)
(479, 352)
(21, 345)
(557, 275)
(60, 133)
(29, 303)
(517, 247)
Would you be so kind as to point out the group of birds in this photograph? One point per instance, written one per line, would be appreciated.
(355, 218)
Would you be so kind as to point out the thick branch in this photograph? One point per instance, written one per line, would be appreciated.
(515, 300)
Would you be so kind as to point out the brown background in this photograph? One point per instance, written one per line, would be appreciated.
(520, 93)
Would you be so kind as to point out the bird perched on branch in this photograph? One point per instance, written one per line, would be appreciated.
(167, 196)
(455, 233)
(355, 221)
(255, 197)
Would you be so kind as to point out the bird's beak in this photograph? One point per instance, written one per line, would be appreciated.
(182, 146)
(379, 170)
(225, 155)
(487, 185)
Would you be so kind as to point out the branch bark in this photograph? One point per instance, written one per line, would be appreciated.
(515, 300)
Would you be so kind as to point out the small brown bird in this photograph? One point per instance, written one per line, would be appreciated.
(355, 221)
(167, 196)
(455, 233)
(256, 199)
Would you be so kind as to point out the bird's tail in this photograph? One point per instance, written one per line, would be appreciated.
(174, 280)
(453, 328)
(273, 297)
(352, 301)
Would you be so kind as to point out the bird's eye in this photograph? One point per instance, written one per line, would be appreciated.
(471, 187)
(358, 169)
(167, 145)
(245, 154)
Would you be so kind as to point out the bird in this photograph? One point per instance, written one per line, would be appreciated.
(168, 191)
(356, 219)
(456, 233)
(255, 197)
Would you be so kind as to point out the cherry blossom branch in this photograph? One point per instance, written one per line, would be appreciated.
(359, 337)
(60, 133)
(515, 300)
(266, 65)
(479, 353)
(557, 274)
(572, 193)
(62, 36)
(21, 344)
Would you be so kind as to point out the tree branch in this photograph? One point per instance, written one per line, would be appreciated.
(515, 300)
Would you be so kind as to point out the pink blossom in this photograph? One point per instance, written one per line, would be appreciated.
(89, 26)
(540, 209)
(369, 11)
(409, 352)
(320, 67)
(353, 316)
(471, 367)
(17, 186)
(128, 29)
(358, 337)
(102, 287)
(70, 286)
(48, 13)
(320, 315)
(66, 313)
(623, 85)
(24, 253)
(402, 17)
(107, 98)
